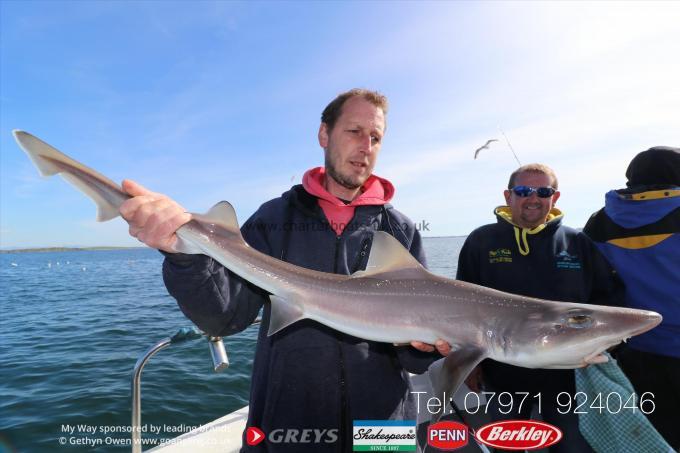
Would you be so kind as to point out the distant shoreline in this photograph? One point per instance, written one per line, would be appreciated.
(66, 249)
(83, 249)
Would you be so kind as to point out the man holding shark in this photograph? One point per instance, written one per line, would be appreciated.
(328, 354)
(308, 375)
(530, 252)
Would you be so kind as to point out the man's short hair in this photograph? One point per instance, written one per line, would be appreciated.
(333, 110)
(534, 168)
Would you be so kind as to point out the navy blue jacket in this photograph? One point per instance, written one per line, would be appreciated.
(551, 262)
(307, 375)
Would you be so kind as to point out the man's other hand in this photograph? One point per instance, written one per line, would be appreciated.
(440, 345)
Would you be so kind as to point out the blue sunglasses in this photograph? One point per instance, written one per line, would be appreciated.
(526, 191)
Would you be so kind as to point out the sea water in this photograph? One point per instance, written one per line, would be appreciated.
(72, 326)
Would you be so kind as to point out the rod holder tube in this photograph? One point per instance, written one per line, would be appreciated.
(218, 352)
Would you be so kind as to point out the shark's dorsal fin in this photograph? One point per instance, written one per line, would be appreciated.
(387, 257)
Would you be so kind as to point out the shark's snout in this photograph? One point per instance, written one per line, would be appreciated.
(634, 322)
(648, 321)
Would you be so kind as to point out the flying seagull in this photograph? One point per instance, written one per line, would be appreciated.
(486, 146)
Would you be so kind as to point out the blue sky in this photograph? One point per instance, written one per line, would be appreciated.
(208, 101)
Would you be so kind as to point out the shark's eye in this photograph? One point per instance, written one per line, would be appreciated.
(579, 321)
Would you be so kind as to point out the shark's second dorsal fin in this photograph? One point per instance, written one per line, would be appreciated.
(222, 214)
(388, 255)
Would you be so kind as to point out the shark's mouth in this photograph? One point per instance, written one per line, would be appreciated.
(598, 355)
(594, 358)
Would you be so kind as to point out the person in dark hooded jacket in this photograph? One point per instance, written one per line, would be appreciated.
(307, 376)
(529, 251)
(638, 231)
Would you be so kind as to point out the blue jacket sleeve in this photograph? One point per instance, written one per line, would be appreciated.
(216, 300)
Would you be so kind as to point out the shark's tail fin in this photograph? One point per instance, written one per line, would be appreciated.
(106, 194)
(37, 150)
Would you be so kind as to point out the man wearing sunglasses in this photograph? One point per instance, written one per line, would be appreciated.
(529, 251)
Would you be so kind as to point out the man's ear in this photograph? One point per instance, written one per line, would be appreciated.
(506, 194)
(323, 135)
(555, 196)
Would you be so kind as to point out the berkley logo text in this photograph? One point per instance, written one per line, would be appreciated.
(447, 435)
(519, 435)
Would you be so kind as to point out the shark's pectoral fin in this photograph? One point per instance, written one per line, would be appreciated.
(389, 257)
(447, 379)
(283, 313)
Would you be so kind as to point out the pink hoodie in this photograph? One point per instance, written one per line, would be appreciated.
(375, 191)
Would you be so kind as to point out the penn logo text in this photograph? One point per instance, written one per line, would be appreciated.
(447, 435)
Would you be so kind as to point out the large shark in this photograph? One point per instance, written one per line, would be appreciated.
(395, 300)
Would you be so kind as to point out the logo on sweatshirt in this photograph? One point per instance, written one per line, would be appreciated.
(500, 256)
(564, 260)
